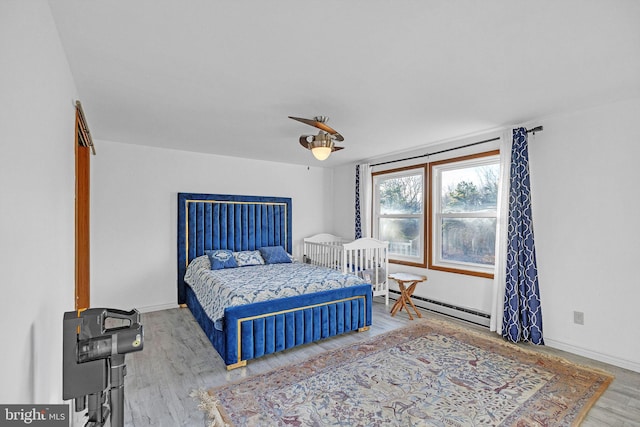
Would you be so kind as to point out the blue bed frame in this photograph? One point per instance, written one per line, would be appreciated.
(238, 223)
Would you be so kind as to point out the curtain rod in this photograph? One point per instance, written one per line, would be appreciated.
(533, 130)
(83, 128)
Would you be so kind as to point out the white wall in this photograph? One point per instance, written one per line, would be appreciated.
(134, 219)
(36, 202)
(585, 175)
(584, 178)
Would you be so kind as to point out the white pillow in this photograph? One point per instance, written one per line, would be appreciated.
(246, 258)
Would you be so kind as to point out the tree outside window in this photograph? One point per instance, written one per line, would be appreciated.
(399, 213)
(464, 214)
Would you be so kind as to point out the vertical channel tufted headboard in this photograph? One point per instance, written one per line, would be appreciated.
(223, 221)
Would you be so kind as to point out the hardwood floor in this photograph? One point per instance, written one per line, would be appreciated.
(178, 358)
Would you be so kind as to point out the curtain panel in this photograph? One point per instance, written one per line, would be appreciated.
(363, 201)
(522, 319)
(499, 275)
(358, 224)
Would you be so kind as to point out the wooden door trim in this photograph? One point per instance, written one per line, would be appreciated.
(82, 217)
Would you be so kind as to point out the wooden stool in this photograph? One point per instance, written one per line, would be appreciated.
(406, 292)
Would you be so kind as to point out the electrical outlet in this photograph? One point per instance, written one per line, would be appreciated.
(578, 318)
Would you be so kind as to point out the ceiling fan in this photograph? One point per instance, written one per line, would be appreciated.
(321, 145)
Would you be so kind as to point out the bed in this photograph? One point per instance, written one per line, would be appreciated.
(365, 257)
(243, 224)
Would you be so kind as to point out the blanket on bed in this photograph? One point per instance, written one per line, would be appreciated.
(219, 289)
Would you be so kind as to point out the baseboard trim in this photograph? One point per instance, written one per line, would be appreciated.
(150, 308)
(450, 310)
(616, 361)
(483, 319)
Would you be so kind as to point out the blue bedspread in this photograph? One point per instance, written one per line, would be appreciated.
(219, 289)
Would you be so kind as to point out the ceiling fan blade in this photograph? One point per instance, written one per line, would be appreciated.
(336, 148)
(304, 141)
(319, 125)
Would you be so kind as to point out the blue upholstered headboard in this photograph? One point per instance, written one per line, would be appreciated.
(223, 221)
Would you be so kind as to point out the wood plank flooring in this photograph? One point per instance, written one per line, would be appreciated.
(178, 358)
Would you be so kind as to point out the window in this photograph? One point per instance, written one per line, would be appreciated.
(463, 207)
(398, 213)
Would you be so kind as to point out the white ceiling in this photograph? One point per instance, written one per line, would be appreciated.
(222, 76)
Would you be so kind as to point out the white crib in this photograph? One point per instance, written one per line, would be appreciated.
(365, 257)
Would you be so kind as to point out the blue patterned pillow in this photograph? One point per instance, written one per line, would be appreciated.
(245, 258)
(274, 255)
(221, 258)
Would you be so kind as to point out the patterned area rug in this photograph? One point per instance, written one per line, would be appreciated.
(432, 373)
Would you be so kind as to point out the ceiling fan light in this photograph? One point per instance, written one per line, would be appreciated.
(321, 153)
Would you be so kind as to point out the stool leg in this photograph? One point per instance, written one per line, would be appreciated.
(404, 296)
(410, 292)
(396, 307)
(398, 304)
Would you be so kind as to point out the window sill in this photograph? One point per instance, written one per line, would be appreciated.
(461, 271)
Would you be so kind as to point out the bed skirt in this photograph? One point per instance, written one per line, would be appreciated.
(253, 330)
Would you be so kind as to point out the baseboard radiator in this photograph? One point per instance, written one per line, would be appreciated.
(461, 313)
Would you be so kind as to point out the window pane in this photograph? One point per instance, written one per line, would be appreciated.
(402, 195)
(469, 240)
(470, 189)
(403, 235)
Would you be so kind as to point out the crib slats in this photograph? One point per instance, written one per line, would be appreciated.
(368, 257)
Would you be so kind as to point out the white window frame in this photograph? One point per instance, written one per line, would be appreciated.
(420, 259)
(435, 230)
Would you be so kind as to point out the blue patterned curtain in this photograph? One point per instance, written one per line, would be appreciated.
(358, 233)
(522, 312)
